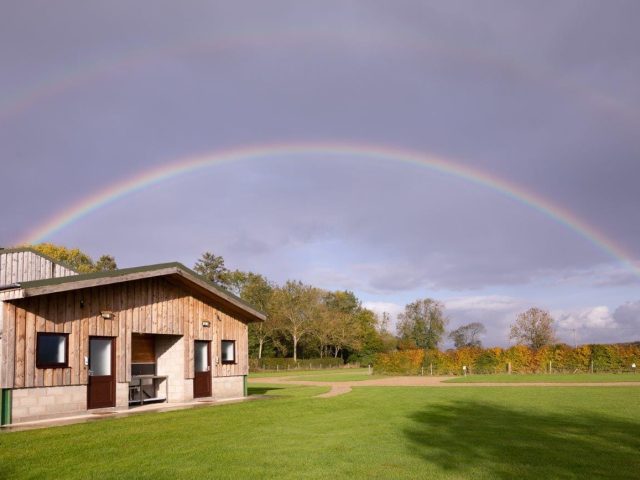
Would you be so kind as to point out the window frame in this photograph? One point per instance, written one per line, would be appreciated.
(64, 364)
(228, 362)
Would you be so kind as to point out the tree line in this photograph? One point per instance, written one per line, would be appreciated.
(302, 320)
(310, 322)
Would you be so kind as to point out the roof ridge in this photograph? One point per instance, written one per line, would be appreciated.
(141, 269)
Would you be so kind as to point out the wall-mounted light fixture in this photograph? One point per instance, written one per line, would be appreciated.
(206, 324)
(107, 315)
(82, 303)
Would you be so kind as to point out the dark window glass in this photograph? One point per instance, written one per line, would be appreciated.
(51, 350)
(228, 351)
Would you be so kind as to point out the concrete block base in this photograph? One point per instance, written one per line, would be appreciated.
(228, 387)
(47, 402)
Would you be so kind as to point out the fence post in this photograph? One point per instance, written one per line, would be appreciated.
(509, 368)
(422, 371)
(591, 366)
(431, 367)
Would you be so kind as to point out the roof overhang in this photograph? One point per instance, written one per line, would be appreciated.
(173, 272)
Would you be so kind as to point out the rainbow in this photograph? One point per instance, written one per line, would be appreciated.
(443, 165)
(21, 101)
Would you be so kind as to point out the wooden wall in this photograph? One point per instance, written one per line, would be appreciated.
(24, 266)
(153, 305)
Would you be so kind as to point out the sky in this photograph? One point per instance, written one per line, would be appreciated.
(541, 96)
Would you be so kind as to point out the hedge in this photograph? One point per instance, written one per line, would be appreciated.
(290, 364)
(520, 359)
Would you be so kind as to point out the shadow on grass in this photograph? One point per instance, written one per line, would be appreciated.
(262, 390)
(485, 440)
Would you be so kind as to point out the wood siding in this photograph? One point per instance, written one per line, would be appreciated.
(26, 266)
(155, 306)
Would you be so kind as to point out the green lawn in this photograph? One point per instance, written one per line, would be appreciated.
(549, 378)
(345, 377)
(326, 375)
(372, 432)
(327, 372)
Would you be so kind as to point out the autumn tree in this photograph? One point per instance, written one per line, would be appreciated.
(468, 335)
(533, 328)
(73, 257)
(422, 323)
(321, 330)
(346, 332)
(294, 307)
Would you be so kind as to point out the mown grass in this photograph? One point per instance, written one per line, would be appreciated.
(372, 432)
(328, 372)
(326, 375)
(548, 378)
(345, 377)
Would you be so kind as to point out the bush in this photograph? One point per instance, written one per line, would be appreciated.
(559, 358)
(404, 362)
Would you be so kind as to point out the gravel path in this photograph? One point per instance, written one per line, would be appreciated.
(340, 388)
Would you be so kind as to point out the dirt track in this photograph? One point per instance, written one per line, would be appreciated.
(339, 388)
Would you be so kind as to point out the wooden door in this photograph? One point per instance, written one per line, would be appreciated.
(202, 378)
(101, 391)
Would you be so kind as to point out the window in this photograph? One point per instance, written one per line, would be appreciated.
(228, 351)
(52, 350)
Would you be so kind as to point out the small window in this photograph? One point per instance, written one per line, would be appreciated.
(228, 351)
(51, 350)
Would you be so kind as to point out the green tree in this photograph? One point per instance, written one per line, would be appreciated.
(423, 323)
(212, 268)
(342, 301)
(106, 263)
(257, 291)
(295, 306)
(533, 328)
(467, 335)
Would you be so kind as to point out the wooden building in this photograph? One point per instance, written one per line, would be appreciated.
(118, 339)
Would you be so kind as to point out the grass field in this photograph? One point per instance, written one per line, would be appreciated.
(549, 378)
(372, 432)
(325, 375)
(335, 374)
(344, 377)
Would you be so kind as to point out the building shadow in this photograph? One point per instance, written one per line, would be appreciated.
(261, 390)
(475, 439)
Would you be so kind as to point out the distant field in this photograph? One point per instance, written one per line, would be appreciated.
(549, 378)
(370, 433)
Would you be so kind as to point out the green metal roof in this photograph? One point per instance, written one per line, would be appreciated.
(96, 275)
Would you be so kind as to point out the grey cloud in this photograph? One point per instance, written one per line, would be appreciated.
(534, 94)
(599, 325)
